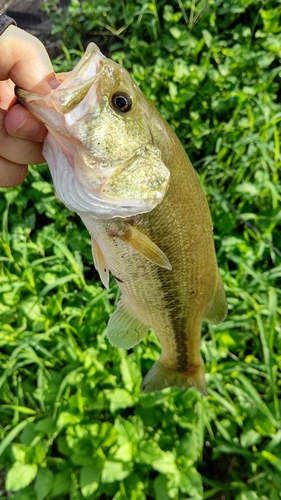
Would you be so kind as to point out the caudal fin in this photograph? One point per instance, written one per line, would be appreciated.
(160, 376)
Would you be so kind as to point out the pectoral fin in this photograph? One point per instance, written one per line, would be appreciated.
(218, 309)
(143, 245)
(124, 329)
(100, 263)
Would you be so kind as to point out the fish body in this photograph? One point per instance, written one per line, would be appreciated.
(116, 162)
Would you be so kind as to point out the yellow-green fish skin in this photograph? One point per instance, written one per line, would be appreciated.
(175, 302)
(163, 256)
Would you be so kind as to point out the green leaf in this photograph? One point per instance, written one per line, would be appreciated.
(122, 452)
(56, 283)
(264, 426)
(19, 452)
(89, 479)
(30, 307)
(20, 409)
(43, 187)
(190, 445)
(212, 68)
(129, 430)
(69, 256)
(166, 464)
(256, 398)
(115, 471)
(272, 459)
(248, 495)
(130, 372)
(61, 484)
(20, 475)
(43, 483)
(119, 398)
(65, 418)
(249, 438)
(190, 481)
(120, 496)
(13, 433)
(148, 451)
(161, 488)
(46, 426)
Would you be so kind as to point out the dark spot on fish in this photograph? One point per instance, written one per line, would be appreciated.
(193, 292)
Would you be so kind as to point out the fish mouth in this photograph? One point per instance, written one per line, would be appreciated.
(72, 90)
(88, 178)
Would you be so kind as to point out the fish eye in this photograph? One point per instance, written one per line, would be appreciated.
(121, 101)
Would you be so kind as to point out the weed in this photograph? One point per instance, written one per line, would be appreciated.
(72, 421)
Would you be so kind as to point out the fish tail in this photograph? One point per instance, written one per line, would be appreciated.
(161, 376)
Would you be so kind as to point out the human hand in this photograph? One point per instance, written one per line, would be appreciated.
(24, 62)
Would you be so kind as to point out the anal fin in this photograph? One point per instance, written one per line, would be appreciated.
(124, 329)
(100, 263)
(143, 245)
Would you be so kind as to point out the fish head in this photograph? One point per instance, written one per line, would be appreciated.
(100, 146)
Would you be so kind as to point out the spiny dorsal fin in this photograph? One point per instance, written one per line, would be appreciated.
(100, 263)
(124, 329)
(143, 245)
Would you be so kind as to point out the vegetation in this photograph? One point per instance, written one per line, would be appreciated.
(73, 424)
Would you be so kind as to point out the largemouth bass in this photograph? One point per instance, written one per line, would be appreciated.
(116, 162)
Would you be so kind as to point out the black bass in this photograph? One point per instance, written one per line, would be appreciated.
(116, 162)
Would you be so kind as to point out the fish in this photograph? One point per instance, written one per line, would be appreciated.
(117, 163)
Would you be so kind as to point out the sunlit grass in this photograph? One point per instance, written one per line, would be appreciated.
(73, 423)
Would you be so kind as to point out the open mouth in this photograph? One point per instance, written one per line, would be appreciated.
(74, 87)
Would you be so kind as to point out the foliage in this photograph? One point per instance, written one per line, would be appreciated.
(73, 423)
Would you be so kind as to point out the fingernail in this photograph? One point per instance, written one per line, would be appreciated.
(27, 128)
(54, 83)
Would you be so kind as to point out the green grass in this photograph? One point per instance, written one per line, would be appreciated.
(73, 423)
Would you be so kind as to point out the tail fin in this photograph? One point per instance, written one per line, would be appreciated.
(160, 376)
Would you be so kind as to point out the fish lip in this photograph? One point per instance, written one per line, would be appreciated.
(102, 197)
(21, 94)
(90, 64)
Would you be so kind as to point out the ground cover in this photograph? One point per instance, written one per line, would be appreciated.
(73, 423)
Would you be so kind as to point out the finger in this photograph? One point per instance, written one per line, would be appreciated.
(7, 94)
(18, 50)
(19, 122)
(17, 150)
(11, 174)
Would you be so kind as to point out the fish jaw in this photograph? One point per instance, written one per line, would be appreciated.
(113, 179)
(77, 197)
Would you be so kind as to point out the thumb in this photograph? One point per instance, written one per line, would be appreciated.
(25, 61)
